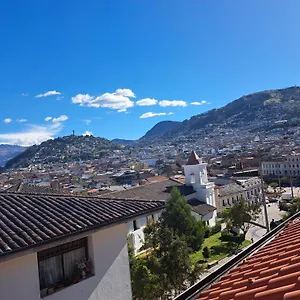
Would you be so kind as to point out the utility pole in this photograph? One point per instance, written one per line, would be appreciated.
(291, 181)
(279, 181)
(263, 195)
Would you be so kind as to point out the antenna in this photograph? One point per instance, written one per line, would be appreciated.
(73, 132)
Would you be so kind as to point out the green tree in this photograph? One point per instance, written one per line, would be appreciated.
(240, 215)
(166, 270)
(292, 208)
(178, 216)
(274, 185)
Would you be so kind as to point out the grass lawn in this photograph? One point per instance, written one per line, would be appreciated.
(224, 248)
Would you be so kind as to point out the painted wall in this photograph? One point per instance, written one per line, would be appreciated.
(136, 238)
(210, 217)
(108, 252)
(19, 278)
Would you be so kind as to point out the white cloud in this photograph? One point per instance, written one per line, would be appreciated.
(87, 133)
(87, 122)
(125, 92)
(24, 94)
(151, 114)
(119, 100)
(200, 103)
(82, 99)
(122, 110)
(146, 102)
(47, 94)
(33, 134)
(22, 120)
(7, 120)
(59, 119)
(60, 97)
(165, 103)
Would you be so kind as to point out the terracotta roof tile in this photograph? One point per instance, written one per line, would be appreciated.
(153, 191)
(272, 273)
(194, 159)
(27, 220)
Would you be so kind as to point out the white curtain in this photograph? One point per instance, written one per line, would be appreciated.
(50, 271)
(70, 259)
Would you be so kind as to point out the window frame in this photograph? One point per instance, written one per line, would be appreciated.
(59, 251)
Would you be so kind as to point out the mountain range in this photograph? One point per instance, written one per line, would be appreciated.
(9, 151)
(254, 112)
(257, 111)
(64, 149)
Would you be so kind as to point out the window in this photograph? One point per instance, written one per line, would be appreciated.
(135, 225)
(223, 202)
(193, 178)
(58, 265)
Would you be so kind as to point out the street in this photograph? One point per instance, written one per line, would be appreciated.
(257, 232)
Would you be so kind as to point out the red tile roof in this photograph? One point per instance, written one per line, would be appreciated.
(271, 273)
(194, 159)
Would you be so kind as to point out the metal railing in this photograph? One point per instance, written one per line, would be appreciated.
(193, 292)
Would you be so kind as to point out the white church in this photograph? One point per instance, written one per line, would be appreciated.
(202, 202)
(196, 188)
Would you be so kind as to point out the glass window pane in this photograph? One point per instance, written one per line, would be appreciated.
(50, 271)
(70, 259)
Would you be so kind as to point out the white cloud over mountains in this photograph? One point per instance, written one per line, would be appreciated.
(32, 134)
(146, 102)
(151, 114)
(47, 94)
(165, 103)
(119, 100)
(87, 133)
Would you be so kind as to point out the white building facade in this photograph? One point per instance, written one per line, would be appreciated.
(135, 231)
(282, 168)
(63, 249)
(195, 172)
(107, 250)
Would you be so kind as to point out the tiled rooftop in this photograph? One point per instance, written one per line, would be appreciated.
(231, 188)
(33, 189)
(154, 191)
(200, 208)
(28, 220)
(194, 159)
(271, 273)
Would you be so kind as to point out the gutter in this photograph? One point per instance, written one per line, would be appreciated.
(194, 291)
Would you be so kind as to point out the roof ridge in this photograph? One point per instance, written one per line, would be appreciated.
(80, 196)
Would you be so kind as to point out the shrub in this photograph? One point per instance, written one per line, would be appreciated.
(208, 232)
(217, 228)
(228, 236)
(283, 206)
(205, 253)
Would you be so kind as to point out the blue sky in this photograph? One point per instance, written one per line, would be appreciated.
(87, 64)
